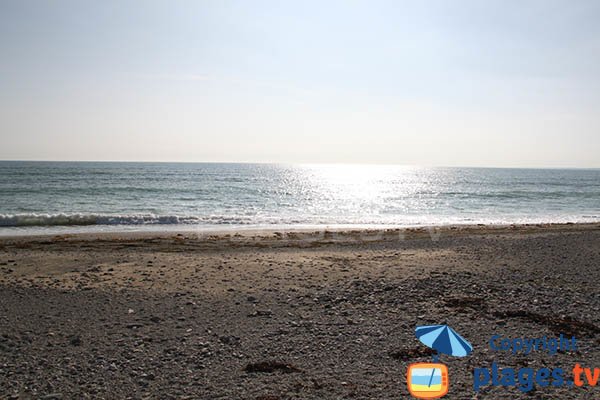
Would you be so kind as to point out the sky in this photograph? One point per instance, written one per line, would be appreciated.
(446, 83)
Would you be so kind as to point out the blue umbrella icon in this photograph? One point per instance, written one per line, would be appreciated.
(444, 340)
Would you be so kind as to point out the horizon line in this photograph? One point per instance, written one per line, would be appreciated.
(295, 163)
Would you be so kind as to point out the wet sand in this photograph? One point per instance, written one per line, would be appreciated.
(288, 315)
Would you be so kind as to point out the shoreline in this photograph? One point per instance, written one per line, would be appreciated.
(339, 235)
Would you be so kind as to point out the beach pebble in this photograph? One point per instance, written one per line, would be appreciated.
(75, 340)
(252, 299)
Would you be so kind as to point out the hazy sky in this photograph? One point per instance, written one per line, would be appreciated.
(466, 83)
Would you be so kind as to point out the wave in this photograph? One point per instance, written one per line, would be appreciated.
(21, 220)
(86, 219)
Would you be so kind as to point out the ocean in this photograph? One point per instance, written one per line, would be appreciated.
(61, 197)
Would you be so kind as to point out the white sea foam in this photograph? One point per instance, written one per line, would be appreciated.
(92, 219)
(81, 219)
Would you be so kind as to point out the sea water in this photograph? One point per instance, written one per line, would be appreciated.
(48, 197)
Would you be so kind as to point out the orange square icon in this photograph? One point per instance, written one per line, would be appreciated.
(427, 380)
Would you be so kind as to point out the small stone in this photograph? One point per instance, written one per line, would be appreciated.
(149, 376)
(75, 340)
(229, 340)
(52, 396)
(261, 313)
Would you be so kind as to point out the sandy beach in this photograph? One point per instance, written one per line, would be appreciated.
(288, 315)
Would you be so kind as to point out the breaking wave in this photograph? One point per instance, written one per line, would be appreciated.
(20, 220)
(84, 219)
